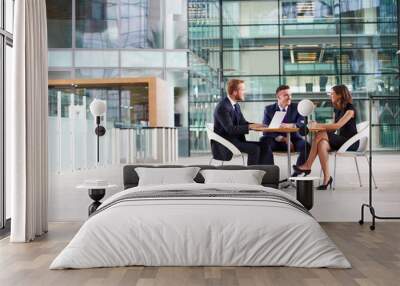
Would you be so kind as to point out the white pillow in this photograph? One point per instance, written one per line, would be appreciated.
(248, 177)
(166, 176)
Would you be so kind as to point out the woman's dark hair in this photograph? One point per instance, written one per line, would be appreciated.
(345, 96)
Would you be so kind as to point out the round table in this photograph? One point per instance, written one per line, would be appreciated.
(288, 131)
(305, 190)
(96, 193)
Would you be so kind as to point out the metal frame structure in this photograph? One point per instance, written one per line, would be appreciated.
(370, 205)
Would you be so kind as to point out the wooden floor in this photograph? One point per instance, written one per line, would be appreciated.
(375, 257)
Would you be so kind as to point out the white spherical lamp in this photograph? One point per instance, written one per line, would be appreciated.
(305, 107)
(98, 107)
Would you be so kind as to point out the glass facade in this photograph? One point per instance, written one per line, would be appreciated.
(204, 61)
(121, 38)
(311, 45)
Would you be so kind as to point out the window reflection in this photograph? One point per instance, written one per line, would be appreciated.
(305, 10)
(119, 24)
(59, 23)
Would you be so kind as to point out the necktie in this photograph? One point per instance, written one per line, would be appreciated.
(284, 118)
(237, 113)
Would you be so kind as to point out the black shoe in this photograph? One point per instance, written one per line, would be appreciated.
(300, 171)
(324, 187)
(295, 174)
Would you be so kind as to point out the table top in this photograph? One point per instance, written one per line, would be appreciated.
(94, 187)
(282, 130)
(288, 129)
(303, 178)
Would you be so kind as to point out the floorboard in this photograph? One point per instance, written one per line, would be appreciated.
(374, 255)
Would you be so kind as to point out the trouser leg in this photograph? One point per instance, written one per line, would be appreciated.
(302, 147)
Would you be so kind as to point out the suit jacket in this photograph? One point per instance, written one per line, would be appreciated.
(229, 127)
(292, 116)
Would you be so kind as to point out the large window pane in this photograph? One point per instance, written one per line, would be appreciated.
(176, 59)
(311, 60)
(176, 21)
(386, 136)
(250, 12)
(141, 59)
(310, 85)
(119, 24)
(251, 37)
(310, 29)
(377, 84)
(368, 11)
(369, 60)
(96, 24)
(369, 35)
(59, 75)
(203, 29)
(251, 63)
(305, 11)
(96, 59)
(60, 58)
(59, 23)
(141, 24)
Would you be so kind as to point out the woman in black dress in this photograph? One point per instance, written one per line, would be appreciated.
(328, 140)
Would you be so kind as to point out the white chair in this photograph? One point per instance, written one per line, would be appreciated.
(217, 138)
(362, 136)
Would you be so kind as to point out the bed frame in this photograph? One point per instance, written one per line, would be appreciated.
(270, 179)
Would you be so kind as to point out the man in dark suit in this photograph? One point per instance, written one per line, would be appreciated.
(231, 125)
(278, 141)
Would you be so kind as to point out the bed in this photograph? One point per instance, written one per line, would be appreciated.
(199, 224)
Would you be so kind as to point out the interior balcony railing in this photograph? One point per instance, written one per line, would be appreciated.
(72, 145)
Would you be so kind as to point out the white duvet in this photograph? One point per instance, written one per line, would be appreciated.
(200, 231)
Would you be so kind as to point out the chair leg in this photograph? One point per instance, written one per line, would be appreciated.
(334, 173)
(244, 164)
(372, 173)
(209, 163)
(222, 163)
(358, 171)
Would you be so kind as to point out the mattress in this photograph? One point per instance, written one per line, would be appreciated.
(201, 225)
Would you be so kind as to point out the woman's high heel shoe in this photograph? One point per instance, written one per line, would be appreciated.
(300, 171)
(324, 187)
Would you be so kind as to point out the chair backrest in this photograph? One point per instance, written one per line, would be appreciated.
(363, 127)
(360, 126)
(361, 136)
(217, 138)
